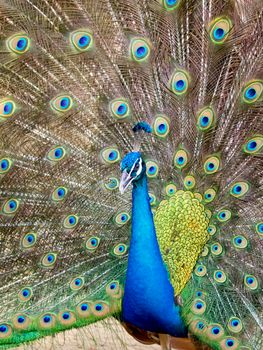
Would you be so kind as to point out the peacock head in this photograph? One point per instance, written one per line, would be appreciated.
(133, 168)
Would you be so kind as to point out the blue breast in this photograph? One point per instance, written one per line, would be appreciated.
(148, 301)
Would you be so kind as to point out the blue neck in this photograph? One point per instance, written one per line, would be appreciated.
(148, 301)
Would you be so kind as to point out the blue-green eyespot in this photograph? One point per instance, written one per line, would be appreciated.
(10, 206)
(205, 119)
(140, 49)
(212, 165)
(180, 159)
(253, 145)
(239, 189)
(49, 260)
(110, 155)
(5, 165)
(120, 108)
(7, 108)
(152, 169)
(61, 103)
(82, 40)
(161, 126)
(56, 154)
(180, 82)
(220, 29)
(252, 91)
(18, 43)
(170, 5)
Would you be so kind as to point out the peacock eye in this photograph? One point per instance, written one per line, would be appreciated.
(252, 91)
(7, 108)
(10, 206)
(140, 50)
(161, 126)
(48, 260)
(61, 103)
(170, 5)
(110, 155)
(82, 40)
(56, 154)
(18, 43)
(253, 145)
(205, 119)
(220, 29)
(212, 165)
(180, 159)
(119, 108)
(180, 82)
(5, 165)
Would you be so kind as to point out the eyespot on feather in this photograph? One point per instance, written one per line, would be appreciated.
(170, 5)
(18, 43)
(10, 206)
(82, 40)
(120, 108)
(259, 229)
(61, 103)
(180, 159)
(215, 331)
(7, 109)
(122, 218)
(180, 82)
(100, 308)
(229, 343)
(251, 282)
(200, 270)
(219, 30)
(198, 306)
(120, 249)
(152, 169)
(21, 321)
(216, 249)
(66, 318)
(235, 325)
(56, 154)
(239, 242)
(92, 243)
(83, 309)
(25, 294)
(140, 49)
(77, 283)
(48, 260)
(110, 155)
(59, 194)
(170, 189)
(5, 330)
(211, 229)
(252, 91)
(5, 165)
(239, 189)
(189, 182)
(47, 321)
(205, 119)
(212, 165)
(111, 184)
(70, 221)
(28, 240)
(253, 145)
(161, 126)
(219, 276)
(113, 289)
(209, 195)
(224, 215)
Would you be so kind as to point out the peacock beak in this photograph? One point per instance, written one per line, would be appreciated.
(126, 180)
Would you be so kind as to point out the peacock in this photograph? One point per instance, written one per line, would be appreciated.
(131, 139)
